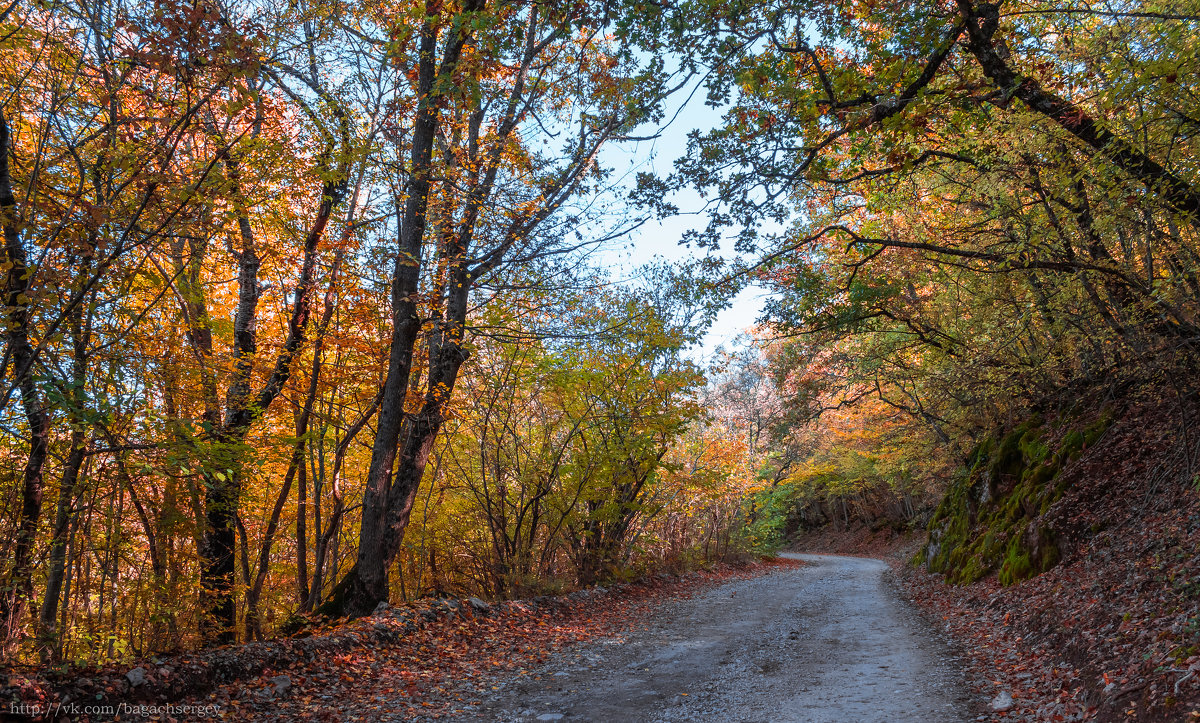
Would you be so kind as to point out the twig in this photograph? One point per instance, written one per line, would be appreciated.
(1191, 673)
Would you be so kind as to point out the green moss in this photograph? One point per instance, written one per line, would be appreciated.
(1040, 475)
(1006, 483)
(989, 543)
(1096, 429)
(1009, 459)
(1025, 558)
(980, 454)
(1017, 565)
(973, 570)
(1077, 440)
(1071, 445)
(1034, 450)
(943, 509)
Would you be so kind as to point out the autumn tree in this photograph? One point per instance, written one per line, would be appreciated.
(477, 195)
(87, 205)
(990, 201)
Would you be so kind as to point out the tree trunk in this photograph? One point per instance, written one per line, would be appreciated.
(302, 534)
(20, 356)
(218, 556)
(366, 585)
(1170, 188)
(50, 647)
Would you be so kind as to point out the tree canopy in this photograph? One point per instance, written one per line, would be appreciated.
(306, 307)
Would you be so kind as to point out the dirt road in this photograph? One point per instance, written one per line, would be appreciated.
(826, 642)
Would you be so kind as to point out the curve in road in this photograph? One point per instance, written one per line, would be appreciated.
(828, 642)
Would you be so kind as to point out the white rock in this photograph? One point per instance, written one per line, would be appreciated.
(136, 677)
(550, 716)
(1004, 701)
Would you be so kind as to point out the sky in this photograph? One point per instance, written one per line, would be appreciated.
(660, 239)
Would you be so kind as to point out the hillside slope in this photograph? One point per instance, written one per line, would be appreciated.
(1075, 547)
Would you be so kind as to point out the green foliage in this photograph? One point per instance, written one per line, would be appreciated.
(953, 205)
(765, 519)
(556, 468)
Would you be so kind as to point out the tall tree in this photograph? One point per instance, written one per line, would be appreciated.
(486, 79)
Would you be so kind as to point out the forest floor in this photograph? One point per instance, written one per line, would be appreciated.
(810, 638)
(1110, 634)
(430, 659)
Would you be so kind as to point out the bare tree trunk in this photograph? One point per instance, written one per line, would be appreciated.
(19, 357)
(49, 646)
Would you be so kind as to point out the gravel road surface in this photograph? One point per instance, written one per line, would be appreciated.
(828, 642)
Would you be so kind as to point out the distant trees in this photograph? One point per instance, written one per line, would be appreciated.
(554, 464)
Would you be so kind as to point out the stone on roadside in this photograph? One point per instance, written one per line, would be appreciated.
(1003, 701)
(550, 716)
(281, 683)
(478, 605)
(136, 677)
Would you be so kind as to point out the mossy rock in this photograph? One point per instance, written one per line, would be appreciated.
(1009, 459)
(1096, 429)
(986, 521)
(990, 544)
(973, 570)
(1031, 553)
(980, 454)
(1017, 566)
(1040, 475)
(1033, 449)
(1072, 445)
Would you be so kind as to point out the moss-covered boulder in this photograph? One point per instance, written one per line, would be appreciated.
(990, 519)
